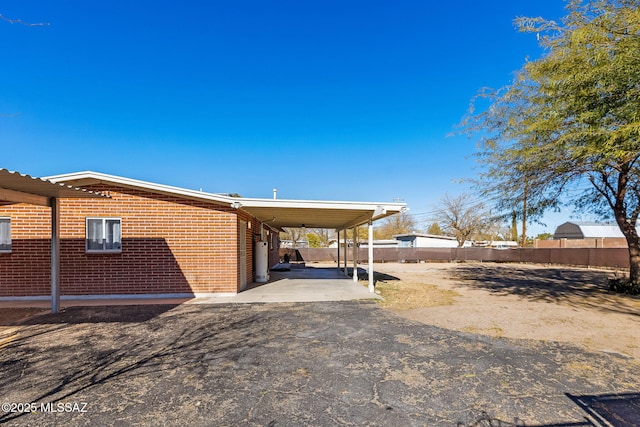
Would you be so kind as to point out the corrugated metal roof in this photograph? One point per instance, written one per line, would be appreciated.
(587, 230)
(16, 187)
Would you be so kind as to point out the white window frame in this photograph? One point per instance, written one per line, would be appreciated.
(103, 250)
(7, 251)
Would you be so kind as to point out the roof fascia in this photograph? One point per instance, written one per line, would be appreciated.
(392, 208)
(376, 210)
(95, 177)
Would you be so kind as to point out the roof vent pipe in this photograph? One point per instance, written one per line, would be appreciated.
(275, 193)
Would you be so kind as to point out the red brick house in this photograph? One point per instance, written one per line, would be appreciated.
(148, 239)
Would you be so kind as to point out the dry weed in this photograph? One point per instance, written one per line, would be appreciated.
(406, 295)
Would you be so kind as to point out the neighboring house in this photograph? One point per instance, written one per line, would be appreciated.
(333, 243)
(417, 240)
(382, 243)
(289, 244)
(149, 239)
(493, 244)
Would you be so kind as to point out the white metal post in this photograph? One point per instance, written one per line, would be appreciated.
(338, 250)
(346, 246)
(55, 255)
(370, 253)
(355, 254)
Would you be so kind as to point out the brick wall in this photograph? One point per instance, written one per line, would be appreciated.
(606, 242)
(169, 245)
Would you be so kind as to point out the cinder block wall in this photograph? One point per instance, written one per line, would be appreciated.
(169, 245)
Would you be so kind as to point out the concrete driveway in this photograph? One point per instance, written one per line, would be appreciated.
(296, 364)
(300, 284)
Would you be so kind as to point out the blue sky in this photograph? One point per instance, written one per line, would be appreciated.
(332, 100)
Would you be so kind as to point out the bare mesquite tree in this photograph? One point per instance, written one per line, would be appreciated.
(461, 217)
(400, 223)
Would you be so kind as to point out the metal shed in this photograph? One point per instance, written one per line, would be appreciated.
(587, 230)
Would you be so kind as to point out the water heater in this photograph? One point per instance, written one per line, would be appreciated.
(262, 262)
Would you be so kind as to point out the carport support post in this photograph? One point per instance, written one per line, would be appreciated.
(355, 254)
(55, 255)
(338, 250)
(346, 245)
(370, 256)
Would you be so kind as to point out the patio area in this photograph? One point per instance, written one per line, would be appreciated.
(299, 284)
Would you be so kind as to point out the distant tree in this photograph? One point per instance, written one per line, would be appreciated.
(322, 236)
(400, 223)
(363, 233)
(544, 236)
(568, 127)
(314, 240)
(514, 226)
(461, 217)
(493, 229)
(435, 229)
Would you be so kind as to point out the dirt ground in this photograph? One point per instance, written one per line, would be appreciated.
(348, 362)
(547, 303)
(9, 317)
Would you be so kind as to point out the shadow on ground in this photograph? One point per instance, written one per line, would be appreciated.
(378, 276)
(485, 420)
(579, 287)
(115, 313)
(12, 316)
(77, 350)
(331, 363)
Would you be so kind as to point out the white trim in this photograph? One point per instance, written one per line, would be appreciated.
(324, 204)
(244, 201)
(128, 182)
(278, 213)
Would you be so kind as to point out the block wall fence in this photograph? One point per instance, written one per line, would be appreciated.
(588, 257)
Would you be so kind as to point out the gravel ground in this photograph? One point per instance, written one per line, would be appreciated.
(322, 364)
(547, 303)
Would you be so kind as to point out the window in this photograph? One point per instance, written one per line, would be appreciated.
(5, 235)
(104, 235)
(406, 244)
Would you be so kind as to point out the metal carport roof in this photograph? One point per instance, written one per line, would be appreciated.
(16, 187)
(277, 213)
(317, 214)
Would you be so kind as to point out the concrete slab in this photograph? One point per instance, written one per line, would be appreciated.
(300, 284)
(309, 284)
